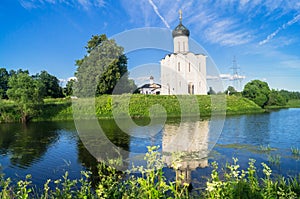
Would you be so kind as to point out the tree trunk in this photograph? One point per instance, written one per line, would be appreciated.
(25, 119)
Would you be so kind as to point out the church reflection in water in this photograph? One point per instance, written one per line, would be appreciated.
(185, 147)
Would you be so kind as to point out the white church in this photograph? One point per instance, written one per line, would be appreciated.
(183, 72)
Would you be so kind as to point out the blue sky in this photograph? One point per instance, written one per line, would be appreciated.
(50, 35)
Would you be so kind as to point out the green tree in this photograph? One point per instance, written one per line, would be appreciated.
(257, 91)
(69, 87)
(13, 72)
(95, 41)
(27, 93)
(50, 84)
(276, 99)
(101, 69)
(290, 94)
(4, 76)
(230, 90)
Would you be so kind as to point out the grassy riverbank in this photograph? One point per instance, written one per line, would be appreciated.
(293, 103)
(61, 109)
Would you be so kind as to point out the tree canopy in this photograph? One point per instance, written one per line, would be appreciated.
(276, 99)
(50, 85)
(27, 93)
(257, 91)
(68, 90)
(101, 69)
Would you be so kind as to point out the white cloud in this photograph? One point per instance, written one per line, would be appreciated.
(291, 63)
(51, 1)
(85, 4)
(99, 3)
(28, 4)
(65, 81)
(223, 32)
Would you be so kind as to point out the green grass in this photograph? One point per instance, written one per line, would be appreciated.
(274, 159)
(139, 106)
(55, 110)
(294, 103)
(295, 151)
(240, 105)
(8, 111)
(266, 148)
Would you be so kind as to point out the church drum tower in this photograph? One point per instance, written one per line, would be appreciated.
(183, 72)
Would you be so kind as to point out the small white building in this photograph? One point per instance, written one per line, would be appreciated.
(151, 88)
(183, 72)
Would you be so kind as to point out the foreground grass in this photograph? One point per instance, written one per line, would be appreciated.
(231, 182)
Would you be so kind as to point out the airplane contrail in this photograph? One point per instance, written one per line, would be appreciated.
(158, 14)
(284, 26)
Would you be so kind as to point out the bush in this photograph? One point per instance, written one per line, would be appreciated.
(276, 99)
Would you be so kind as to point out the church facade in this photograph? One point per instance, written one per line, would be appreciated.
(183, 72)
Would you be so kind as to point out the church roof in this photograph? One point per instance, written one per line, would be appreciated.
(154, 85)
(180, 30)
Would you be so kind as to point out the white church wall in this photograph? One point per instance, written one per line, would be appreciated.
(180, 70)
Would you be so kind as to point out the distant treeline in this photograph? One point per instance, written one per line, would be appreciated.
(260, 93)
(289, 94)
(28, 92)
(50, 85)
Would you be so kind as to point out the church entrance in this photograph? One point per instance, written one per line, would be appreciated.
(191, 88)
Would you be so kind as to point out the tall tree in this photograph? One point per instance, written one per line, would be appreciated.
(100, 70)
(95, 41)
(4, 76)
(257, 91)
(50, 84)
(69, 87)
(27, 93)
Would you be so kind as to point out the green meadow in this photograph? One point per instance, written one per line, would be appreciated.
(108, 106)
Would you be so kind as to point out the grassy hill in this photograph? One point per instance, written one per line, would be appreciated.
(139, 106)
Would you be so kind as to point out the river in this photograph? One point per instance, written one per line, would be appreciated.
(46, 150)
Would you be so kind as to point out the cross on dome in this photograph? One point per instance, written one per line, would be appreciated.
(180, 15)
(180, 30)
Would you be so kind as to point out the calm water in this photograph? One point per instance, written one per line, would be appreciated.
(47, 150)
